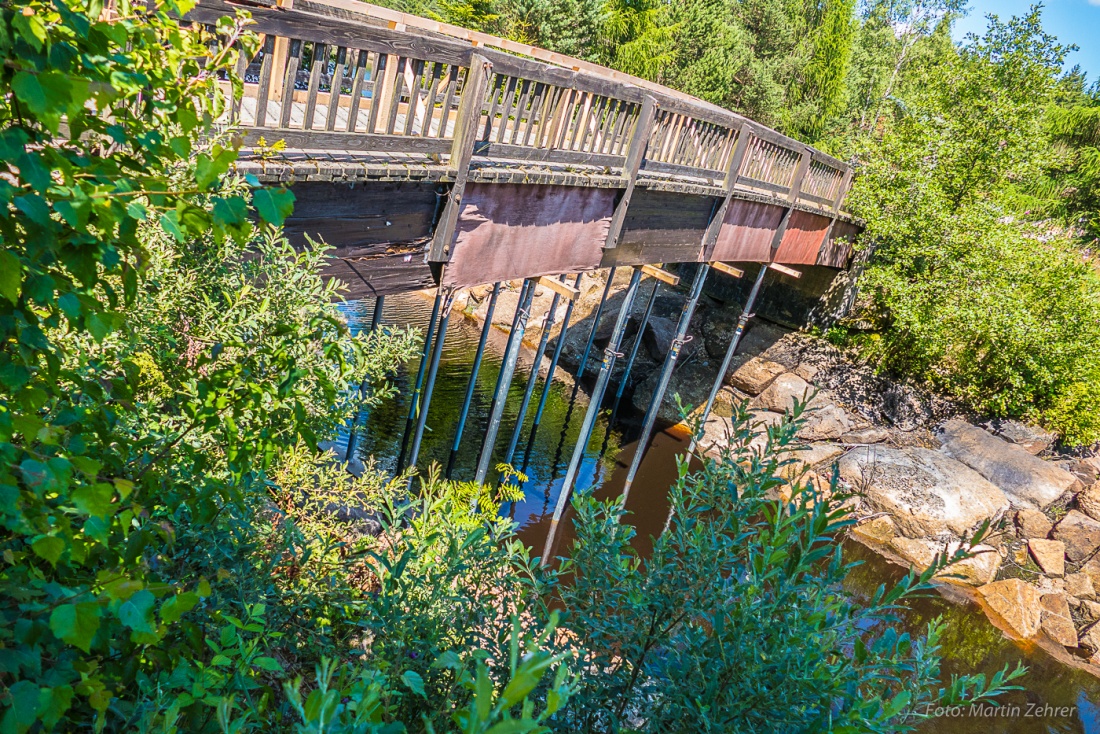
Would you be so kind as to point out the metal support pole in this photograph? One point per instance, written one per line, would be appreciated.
(530, 389)
(666, 375)
(410, 421)
(507, 348)
(426, 397)
(553, 367)
(375, 320)
(637, 343)
(504, 381)
(746, 314)
(472, 384)
(610, 353)
(595, 323)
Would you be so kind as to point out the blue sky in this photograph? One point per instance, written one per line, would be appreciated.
(1072, 21)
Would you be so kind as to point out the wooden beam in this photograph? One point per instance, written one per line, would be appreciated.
(662, 275)
(462, 149)
(727, 269)
(785, 270)
(563, 289)
(635, 152)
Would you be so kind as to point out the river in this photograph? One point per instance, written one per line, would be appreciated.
(970, 643)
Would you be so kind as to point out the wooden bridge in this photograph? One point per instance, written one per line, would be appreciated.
(425, 153)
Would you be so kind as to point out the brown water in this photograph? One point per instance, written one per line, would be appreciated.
(970, 643)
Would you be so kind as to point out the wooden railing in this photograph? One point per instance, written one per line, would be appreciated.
(338, 75)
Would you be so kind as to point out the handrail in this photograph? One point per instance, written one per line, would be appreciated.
(344, 75)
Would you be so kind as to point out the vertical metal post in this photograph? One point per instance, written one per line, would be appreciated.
(637, 343)
(426, 397)
(529, 391)
(746, 314)
(472, 384)
(505, 381)
(595, 323)
(410, 421)
(375, 320)
(610, 353)
(553, 365)
(666, 375)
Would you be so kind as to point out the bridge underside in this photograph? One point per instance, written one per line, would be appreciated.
(515, 223)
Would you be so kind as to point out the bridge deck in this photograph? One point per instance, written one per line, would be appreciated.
(422, 151)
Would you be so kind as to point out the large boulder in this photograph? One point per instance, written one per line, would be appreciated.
(1018, 603)
(691, 380)
(977, 570)
(827, 422)
(807, 457)
(1080, 533)
(756, 375)
(1026, 479)
(717, 431)
(658, 336)
(929, 495)
(782, 393)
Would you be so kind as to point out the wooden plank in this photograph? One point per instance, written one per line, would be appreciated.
(462, 148)
(319, 62)
(286, 99)
(675, 169)
(377, 83)
(395, 92)
(360, 69)
(354, 219)
(733, 168)
(384, 274)
(448, 100)
(662, 275)
(785, 270)
(413, 110)
(727, 269)
(633, 162)
(504, 151)
(562, 289)
(335, 87)
(322, 140)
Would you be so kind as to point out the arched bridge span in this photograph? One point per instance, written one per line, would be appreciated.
(427, 153)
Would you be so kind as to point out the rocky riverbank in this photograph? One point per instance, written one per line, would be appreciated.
(927, 475)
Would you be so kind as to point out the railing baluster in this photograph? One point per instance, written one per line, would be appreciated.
(264, 90)
(563, 115)
(377, 83)
(433, 90)
(494, 97)
(509, 101)
(286, 101)
(533, 114)
(335, 88)
(412, 112)
(317, 65)
(359, 71)
(521, 109)
(395, 98)
(579, 120)
(448, 100)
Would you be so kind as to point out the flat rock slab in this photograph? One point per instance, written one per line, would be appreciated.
(1056, 620)
(1032, 439)
(1080, 533)
(928, 494)
(977, 570)
(1050, 555)
(1026, 479)
(1033, 524)
(1080, 585)
(809, 457)
(1089, 501)
(1018, 603)
(755, 375)
(718, 429)
(826, 423)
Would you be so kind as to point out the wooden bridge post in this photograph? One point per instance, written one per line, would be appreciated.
(842, 191)
(733, 171)
(634, 155)
(469, 113)
(792, 197)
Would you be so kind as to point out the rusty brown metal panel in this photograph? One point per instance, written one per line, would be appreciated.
(802, 240)
(747, 232)
(838, 250)
(510, 231)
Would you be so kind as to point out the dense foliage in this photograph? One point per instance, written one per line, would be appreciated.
(979, 169)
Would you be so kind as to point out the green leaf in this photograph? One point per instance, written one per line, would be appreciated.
(273, 205)
(95, 499)
(269, 664)
(76, 624)
(415, 683)
(49, 547)
(23, 707)
(177, 606)
(28, 91)
(11, 276)
(137, 612)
